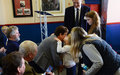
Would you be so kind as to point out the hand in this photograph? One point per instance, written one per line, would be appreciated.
(56, 39)
(2, 50)
(84, 72)
(66, 40)
(49, 73)
(52, 34)
(61, 67)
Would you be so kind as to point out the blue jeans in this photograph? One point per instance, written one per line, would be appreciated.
(71, 71)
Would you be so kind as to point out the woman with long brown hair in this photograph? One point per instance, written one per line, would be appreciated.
(97, 54)
(93, 19)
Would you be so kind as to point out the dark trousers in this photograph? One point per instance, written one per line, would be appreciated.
(71, 71)
(80, 72)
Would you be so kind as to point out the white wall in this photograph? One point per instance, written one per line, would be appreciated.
(113, 13)
(2, 13)
(6, 14)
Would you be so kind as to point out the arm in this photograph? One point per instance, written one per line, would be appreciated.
(61, 49)
(95, 57)
(1, 40)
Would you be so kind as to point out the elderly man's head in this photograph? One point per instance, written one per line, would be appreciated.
(28, 49)
(13, 33)
(77, 3)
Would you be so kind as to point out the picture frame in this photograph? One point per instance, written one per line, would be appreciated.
(54, 7)
(22, 8)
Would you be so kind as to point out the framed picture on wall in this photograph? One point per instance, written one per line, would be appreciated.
(55, 7)
(50, 5)
(22, 8)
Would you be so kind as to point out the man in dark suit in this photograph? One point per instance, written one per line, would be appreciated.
(71, 15)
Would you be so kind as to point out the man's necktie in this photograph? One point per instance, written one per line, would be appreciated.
(77, 17)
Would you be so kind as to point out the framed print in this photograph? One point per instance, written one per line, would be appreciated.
(22, 8)
(54, 7)
(50, 5)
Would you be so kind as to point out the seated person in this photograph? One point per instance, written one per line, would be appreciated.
(3, 39)
(13, 36)
(4, 29)
(13, 64)
(93, 19)
(29, 51)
